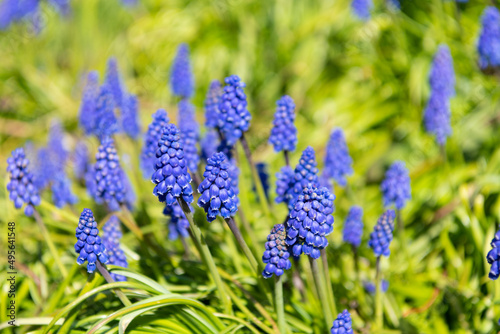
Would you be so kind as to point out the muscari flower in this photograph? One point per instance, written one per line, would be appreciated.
(343, 324)
(209, 144)
(178, 224)
(338, 162)
(61, 191)
(109, 176)
(493, 257)
(234, 173)
(21, 188)
(16, 10)
(87, 113)
(80, 160)
(263, 176)
(353, 228)
(212, 104)
(225, 148)
(114, 82)
(151, 138)
(285, 179)
(111, 235)
(442, 75)
(437, 117)
(381, 237)
(91, 184)
(371, 288)
(105, 119)
(362, 8)
(190, 133)
(130, 121)
(45, 168)
(310, 221)
(171, 177)
(325, 181)
(488, 45)
(89, 245)
(284, 133)
(181, 78)
(234, 117)
(396, 188)
(276, 255)
(217, 194)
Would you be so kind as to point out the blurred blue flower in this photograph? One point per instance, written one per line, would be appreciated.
(225, 148)
(381, 237)
(151, 138)
(488, 45)
(45, 169)
(353, 227)
(114, 82)
(263, 177)
(442, 75)
(437, 117)
(234, 117)
(285, 179)
(62, 6)
(371, 288)
(276, 255)
(325, 181)
(130, 116)
(181, 77)
(338, 162)
(284, 133)
(209, 143)
(87, 113)
(212, 104)
(217, 194)
(234, 173)
(362, 8)
(178, 224)
(310, 221)
(20, 187)
(396, 188)
(105, 119)
(80, 160)
(88, 245)
(61, 191)
(111, 235)
(15, 10)
(91, 183)
(190, 134)
(493, 257)
(171, 177)
(343, 324)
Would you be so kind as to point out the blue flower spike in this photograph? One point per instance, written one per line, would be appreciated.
(338, 162)
(171, 177)
(178, 224)
(353, 228)
(130, 114)
(111, 240)
(284, 133)
(21, 188)
(114, 82)
(343, 324)
(87, 113)
(285, 179)
(362, 9)
(89, 245)
(276, 255)
(217, 194)
(488, 45)
(493, 257)
(381, 237)
(190, 134)
(151, 138)
(212, 104)
(396, 188)
(181, 77)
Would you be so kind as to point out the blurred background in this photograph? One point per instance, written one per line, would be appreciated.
(369, 77)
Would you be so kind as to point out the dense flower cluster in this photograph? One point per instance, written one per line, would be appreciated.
(105, 123)
(234, 173)
(111, 235)
(209, 144)
(80, 160)
(381, 237)
(276, 255)
(493, 257)
(178, 224)
(109, 176)
(130, 114)
(181, 78)
(442, 75)
(190, 133)
(343, 324)
(310, 221)
(20, 187)
(362, 8)
(338, 162)
(16, 10)
(114, 82)
(284, 133)
(87, 106)
(151, 138)
(488, 45)
(285, 179)
(234, 117)
(61, 191)
(353, 227)
(88, 244)
(396, 188)
(217, 194)
(212, 104)
(171, 177)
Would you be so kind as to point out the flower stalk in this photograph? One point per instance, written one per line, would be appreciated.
(280, 310)
(322, 291)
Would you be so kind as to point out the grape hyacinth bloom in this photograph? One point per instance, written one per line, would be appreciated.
(285, 179)
(488, 45)
(178, 224)
(130, 121)
(305, 174)
(234, 117)
(437, 117)
(16, 10)
(171, 178)
(111, 235)
(21, 188)
(45, 168)
(181, 78)
(105, 119)
(80, 160)
(263, 177)
(114, 82)
(61, 191)
(343, 324)
(234, 173)
(151, 138)
(217, 194)
(109, 176)
(209, 144)
(396, 187)
(325, 181)
(190, 133)
(212, 104)
(276, 255)
(353, 228)
(371, 288)
(381, 237)
(493, 257)
(338, 162)
(362, 8)
(442, 75)
(310, 221)
(284, 133)
(87, 113)
(89, 245)
(91, 184)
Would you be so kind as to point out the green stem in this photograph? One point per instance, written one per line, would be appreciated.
(378, 298)
(328, 281)
(320, 284)
(244, 247)
(51, 245)
(401, 227)
(57, 297)
(105, 273)
(287, 158)
(202, 246)
(248, 229)
(280, 310)
(356, 261)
